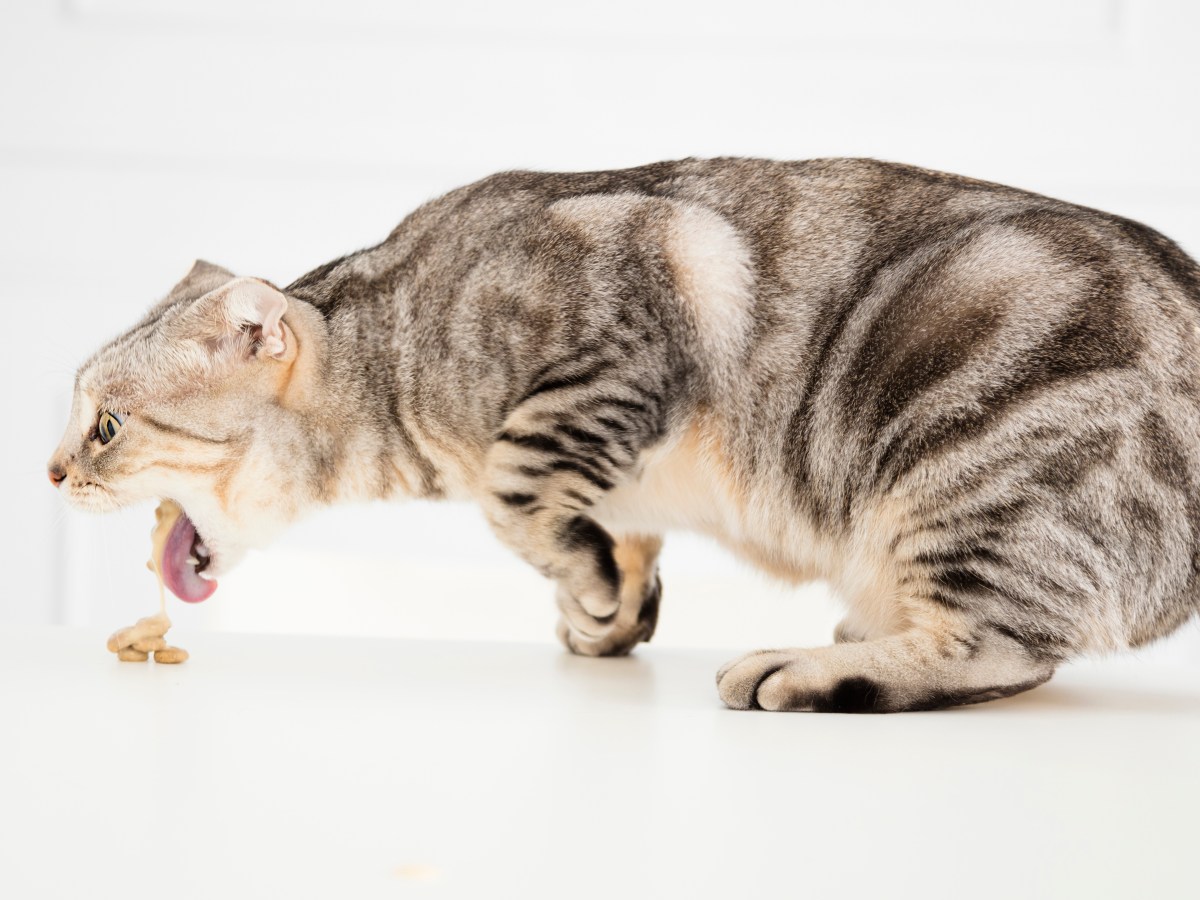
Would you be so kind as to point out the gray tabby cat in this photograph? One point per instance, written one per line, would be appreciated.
(974, 410)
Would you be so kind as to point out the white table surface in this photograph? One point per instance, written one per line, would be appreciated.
(359, 768)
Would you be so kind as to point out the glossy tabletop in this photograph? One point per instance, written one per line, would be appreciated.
(362, 768)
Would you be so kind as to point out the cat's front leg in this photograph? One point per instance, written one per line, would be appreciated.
(554, 460)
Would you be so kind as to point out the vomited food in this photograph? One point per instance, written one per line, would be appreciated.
(148, 635)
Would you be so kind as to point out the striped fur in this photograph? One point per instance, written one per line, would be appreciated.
(972, 409)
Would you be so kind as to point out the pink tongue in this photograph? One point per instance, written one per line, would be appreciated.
(180, 575)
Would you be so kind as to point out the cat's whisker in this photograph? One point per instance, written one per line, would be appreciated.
(59, 517)
(60, 367)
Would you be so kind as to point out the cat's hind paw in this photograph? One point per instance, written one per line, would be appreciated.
(793, 680)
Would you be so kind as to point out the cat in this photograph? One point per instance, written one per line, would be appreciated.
(972, 409)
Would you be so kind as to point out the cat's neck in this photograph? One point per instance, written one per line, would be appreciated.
(358, 446)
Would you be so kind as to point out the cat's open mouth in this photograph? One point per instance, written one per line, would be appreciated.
(185, 558)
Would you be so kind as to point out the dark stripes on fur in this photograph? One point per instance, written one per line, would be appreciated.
(851, 695)
(516, 499)
(1094, 338)
(1039, 643)
(579, 378)
(177, 431)
(581, 533)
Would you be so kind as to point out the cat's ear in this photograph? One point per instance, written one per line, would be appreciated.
(201, 278)
(243, 308)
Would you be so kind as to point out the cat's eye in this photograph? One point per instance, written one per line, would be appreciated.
(108, 426)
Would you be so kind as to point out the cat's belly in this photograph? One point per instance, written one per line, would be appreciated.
(689, 484)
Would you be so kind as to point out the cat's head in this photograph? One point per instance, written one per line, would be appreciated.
(185, 405)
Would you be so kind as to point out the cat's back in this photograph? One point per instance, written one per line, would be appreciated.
(799, 256)
(823, 227)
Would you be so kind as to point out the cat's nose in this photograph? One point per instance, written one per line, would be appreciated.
(57, 475)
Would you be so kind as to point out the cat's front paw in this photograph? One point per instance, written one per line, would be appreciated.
(615, 635)
(590, 645)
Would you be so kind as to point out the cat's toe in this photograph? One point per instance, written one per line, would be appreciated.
(724, 670)
(614, 643)
(745, 683)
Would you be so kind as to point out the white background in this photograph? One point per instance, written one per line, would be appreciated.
(270, 136)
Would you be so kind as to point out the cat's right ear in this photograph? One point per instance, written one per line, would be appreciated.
(243, 318)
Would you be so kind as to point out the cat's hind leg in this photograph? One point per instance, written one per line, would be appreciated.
(939, 661)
